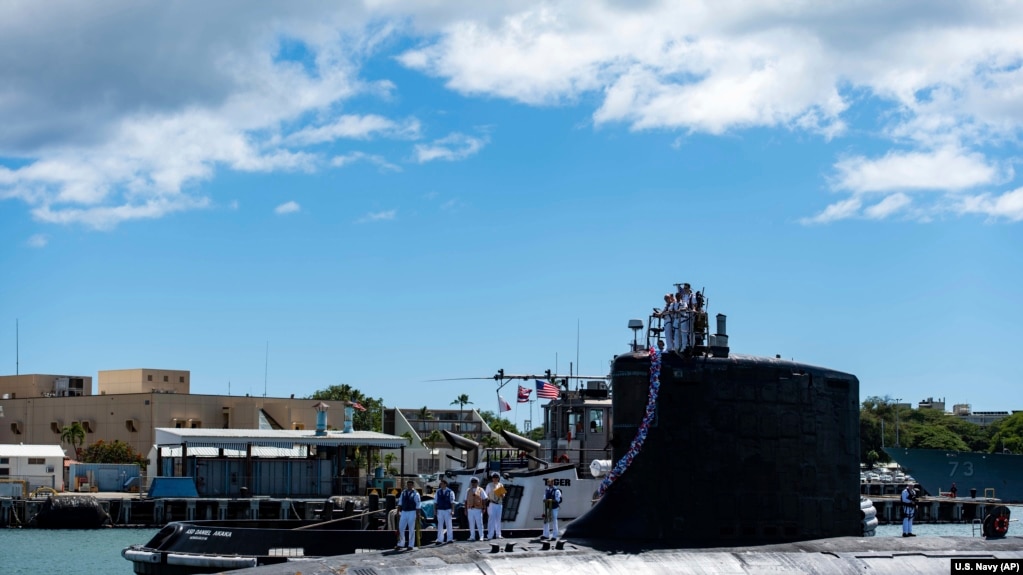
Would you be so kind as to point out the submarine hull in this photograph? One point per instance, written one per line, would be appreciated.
(736, 450)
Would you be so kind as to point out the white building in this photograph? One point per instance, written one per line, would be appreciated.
(35, 465)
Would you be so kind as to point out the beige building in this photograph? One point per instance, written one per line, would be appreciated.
(38, 385)
(116, 381)
(132, 403)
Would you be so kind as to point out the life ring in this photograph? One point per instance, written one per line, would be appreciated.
(561, 458)
(997, 523)
(1000, 525)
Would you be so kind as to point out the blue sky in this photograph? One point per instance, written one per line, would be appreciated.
(391, 193)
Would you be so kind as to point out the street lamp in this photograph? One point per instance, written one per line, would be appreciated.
(897, 400)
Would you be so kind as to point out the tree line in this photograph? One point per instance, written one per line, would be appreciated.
(931, 429)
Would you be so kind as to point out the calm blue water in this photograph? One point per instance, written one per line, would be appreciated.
(94, 552)
(91, 552)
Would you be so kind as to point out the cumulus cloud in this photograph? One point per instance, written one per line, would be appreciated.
(379, 161)
(287, 208)
(95, 133)
(356, 127)
(104, 134)
(1008, 206)
(452, 147)
(918, 185)
(945, 169)
(371, 217)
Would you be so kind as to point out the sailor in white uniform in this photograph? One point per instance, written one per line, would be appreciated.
(409, 503)
(685, 303)
(667, 314)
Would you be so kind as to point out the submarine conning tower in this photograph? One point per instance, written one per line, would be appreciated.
(737, 450)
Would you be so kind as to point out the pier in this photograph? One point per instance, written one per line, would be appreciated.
(934, 509)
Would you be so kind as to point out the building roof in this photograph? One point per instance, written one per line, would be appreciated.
(283, 438)
(22, 450)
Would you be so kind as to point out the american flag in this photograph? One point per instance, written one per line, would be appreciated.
(358, 406)
(524, 394)
(544, 390)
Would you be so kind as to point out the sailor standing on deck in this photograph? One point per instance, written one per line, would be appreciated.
(551, 503)
(685, 303)
(409, 503)
(667, 314)
(474, 500)
(445, 499)
(495, 496)
(908, 510)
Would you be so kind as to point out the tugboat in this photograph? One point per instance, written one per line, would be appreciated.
(573, 453)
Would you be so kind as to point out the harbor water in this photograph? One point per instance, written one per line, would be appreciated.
(45, 552)
(83, 552)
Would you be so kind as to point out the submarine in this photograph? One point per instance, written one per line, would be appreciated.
(723, 463)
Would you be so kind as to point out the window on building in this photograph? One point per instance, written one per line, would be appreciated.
(5, 460)
(149, 377)
(165, 378)
(181, 379)
(427, 465)
(4, 472)
(36, 461)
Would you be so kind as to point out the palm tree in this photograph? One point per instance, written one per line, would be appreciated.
(488, 440)
(74, 435)
(389, 462)
(432, 440)
(425, 414)
(461, 400)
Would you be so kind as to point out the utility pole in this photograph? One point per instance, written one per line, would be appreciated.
(897, 400)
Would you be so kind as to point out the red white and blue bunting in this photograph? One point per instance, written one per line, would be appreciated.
(644, 427)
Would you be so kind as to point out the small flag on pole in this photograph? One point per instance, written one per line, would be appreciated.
(524, 394)
(505, 406)
(545, 390)
(358, 406)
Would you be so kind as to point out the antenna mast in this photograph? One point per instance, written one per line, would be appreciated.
(266, 366)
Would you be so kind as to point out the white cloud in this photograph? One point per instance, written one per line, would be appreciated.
(944, 169)
(379, 161)
(116, 126)
(287, 208)
(837, 211)
(113, 134)
(1007, 206)
(891, 205)
(452, 147)
(37, 241)
(356, 127)
(371, 217)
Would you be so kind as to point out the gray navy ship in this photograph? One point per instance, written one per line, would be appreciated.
(988, 475)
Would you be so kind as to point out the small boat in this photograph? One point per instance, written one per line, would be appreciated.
(187, 547)
(524, 476)
(190, 547)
